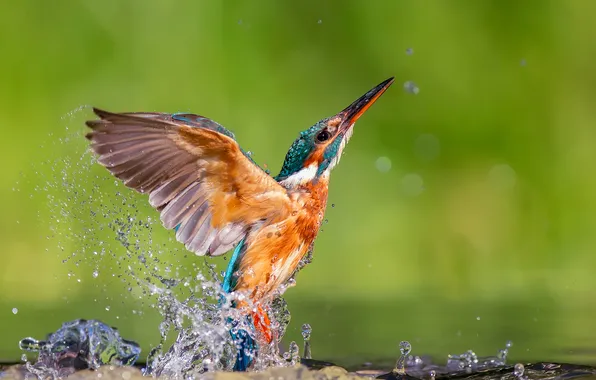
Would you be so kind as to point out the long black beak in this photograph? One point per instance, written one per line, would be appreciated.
(352, 112)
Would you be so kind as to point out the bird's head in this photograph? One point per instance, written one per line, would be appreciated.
(318, 149)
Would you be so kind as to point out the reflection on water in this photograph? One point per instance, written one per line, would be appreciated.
(352, 333)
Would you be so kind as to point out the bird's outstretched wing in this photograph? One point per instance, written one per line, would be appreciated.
(195, 173)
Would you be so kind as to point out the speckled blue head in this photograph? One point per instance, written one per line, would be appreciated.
(318, 149)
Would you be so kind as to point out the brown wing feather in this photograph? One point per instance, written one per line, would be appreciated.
(195, 175)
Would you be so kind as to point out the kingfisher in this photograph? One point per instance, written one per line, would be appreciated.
(215, 196)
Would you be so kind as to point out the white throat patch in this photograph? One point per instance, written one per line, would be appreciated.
(301, 177)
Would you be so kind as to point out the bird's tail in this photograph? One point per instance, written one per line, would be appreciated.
(246, 348)
(246, 345)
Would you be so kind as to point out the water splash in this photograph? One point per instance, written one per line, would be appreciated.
(292, 356)
(306, 331)
(400, 366)
(109, 233)
(78, 345)
(466, 363)
(470, 362)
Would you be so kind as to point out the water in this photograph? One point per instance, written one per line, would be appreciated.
(88, 344)
(306, 331)
(518, 371)
(411, 87)
(400, 366)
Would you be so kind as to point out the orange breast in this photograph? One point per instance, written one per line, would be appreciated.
(274, 251)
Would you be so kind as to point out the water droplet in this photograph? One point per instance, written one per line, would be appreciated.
(332, 205)
(107, 308)
(24, 357)
(29, 344)
(477, 318)
(383, 164)
(294, 352)
(523, 62)
(15, 310)
(409, 51)
(306, 331)
(320, 22)
(95, 273)
(404, 348)
(411, 87)
(508, 344)
(502, 355)
(518, 370)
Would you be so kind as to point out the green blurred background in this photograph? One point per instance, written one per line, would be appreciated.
(464, 215)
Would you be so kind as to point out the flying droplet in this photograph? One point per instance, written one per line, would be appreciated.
(478, 318)
(409, 51)
(411, 87)
(523, 62)
(24, 357)
(383, 164)
(320, 22)
(95, 273)
(15, 310)
(107, 308)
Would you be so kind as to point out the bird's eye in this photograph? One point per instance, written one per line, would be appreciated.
(323, 136)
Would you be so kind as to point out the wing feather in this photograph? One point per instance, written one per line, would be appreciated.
(195, 173)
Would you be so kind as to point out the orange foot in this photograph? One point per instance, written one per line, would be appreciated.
(262, 324)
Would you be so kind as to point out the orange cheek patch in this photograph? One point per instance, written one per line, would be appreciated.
(316, 157)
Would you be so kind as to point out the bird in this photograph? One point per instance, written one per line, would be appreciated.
(216, 197)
